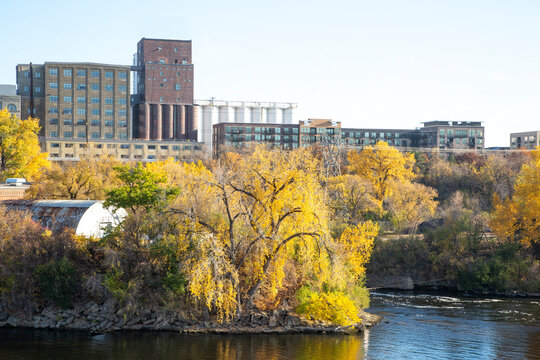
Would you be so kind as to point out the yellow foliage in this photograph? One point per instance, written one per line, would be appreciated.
(381, 165)
(356, 245)
(518, 218)
(334, 307)
(20, 154)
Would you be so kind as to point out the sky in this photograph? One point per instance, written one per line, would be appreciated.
(369, 64)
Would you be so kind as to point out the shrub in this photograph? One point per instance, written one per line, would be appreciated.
(333, 306)
(58, 281)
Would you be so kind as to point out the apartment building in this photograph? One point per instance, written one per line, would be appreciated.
(453, 135)
(10, 100)
(525, 140)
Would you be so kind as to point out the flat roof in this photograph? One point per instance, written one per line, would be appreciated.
(172, 40)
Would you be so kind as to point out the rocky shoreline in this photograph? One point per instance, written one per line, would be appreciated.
(97, 318)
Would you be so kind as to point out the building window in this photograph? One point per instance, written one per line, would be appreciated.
(53, 98)
(124, 146)
(55, 145)
(68, 122)
(108, 123)
(164, 147)
(95, 135)
(108, 74)
(53, 71)
(68, 86)
(122, 113)
(151, 157)
(175, 49)
(67, 72)
(108, 112)
(161, 98)
(122, 75)
(81, 72)
(53, 134)
(176, 147)
(37, 75)
(95, 100)
(109, 101)
(67, 111)
(81, 122)
(122, 136)
(26, 74)
(81, 99)
(81, 87)
(122, 123)
(95, 111)
(95, 86)
(67, 99)
(122, 101)
(53, 110)
(94, 73)
(151, 147)
(53, 121)
(68, 134)
(53, 85)
(26, 88)
(177, 87)
(37, 89)
(81, 111)
(137, 146)
(122, 88)
(108, 135)
(108, 88)
(95, 122)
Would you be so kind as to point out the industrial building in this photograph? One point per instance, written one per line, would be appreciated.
(84, 217)
(525, 140)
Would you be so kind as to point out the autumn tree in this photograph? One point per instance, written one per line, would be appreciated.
(87, 178)
(20, 154)
(517, 219)
(382, 165)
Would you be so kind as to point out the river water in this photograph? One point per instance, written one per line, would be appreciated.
(415, 326)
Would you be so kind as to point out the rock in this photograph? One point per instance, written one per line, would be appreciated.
(13, 321)
(133, 321)
(272, 321)
(206, 315)
(293, 320)
(149, 321)
(3, 316)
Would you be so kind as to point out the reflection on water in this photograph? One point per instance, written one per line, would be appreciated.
(416, 326)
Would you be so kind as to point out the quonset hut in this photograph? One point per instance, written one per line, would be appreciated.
(85, 217)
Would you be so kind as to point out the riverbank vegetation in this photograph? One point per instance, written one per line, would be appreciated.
(275, 230)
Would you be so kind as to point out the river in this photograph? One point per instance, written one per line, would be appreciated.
(415, 326)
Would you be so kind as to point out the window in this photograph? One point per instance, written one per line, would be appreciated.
(37, 75)
(68, 86)
(108, 74)
(81, 72)
(177, 87)
(81, 111)
(81, 135)
(53, 110)
(94, 100)
(94, 73)
(122, 113)
(68, 122)
(161, 73)
(124, 146)
(53, 121)
(95, 122)
(95, 135)
(164, 147)
(67, 99)
(81, 122)
(122, 136)
(53, 98)
(95, 86)
(109, 101)
(81, 87)
(53, 71)
(151, 157)
(122, 123)
(108, 112)
(67, 111)
(37, 89)
(55, 145)
(26, 88)
(122, 101)
(95, 111)
(108, 136)
(108, 87)
(53, 85)
(81, 99)
(176, 147)
(137, 146)
(53, 134)
(161, 98)
(108, 123)
(68, 134)
(122, 88)
(26, 74)
(67, 72)
(122, 75)
(151, 147)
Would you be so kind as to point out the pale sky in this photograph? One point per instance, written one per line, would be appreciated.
(378, 63)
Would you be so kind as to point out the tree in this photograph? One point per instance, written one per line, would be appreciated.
(382, 165)
(20, 154)
(518, 218)
(87, 178)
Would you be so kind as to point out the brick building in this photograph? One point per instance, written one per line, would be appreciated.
(525, 140)
(10, 100)
(163, 104)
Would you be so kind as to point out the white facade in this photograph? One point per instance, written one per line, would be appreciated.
(212, 112)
